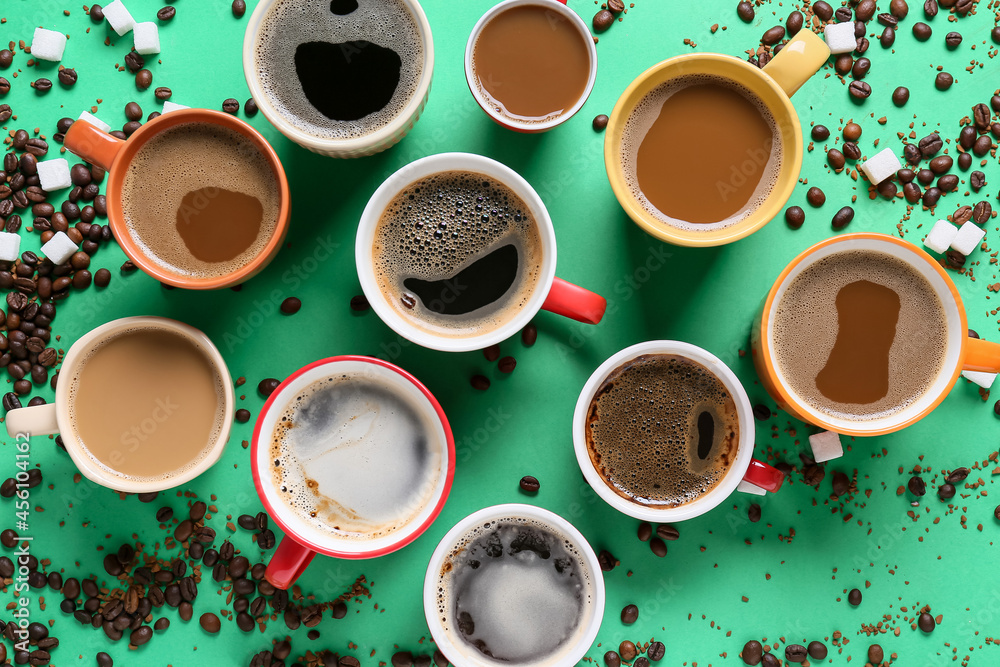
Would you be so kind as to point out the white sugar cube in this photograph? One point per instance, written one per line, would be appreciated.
(839, 37)
(826, 446)
(119, 18)
(54, 174)
(941, 236)
(169, 106)
(984, 380)
(59, 248)
(147, 38)
(881, 166)
(10, 246)
(968, 238)
(749, 487)
(95, 121)
(48, 45)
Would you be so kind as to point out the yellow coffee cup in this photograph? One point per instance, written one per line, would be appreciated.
(773, 85)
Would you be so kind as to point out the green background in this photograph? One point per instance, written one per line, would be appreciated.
(726, 580)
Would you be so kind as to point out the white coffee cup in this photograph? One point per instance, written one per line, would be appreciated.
(551, 293)
(558, 7)
(463, 655)
(374, 142)
(756, 474)
(57, 417)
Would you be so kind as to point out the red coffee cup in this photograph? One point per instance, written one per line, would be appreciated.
(304, 538)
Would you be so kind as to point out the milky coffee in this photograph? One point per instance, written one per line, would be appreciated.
(859, 335)
(339, 70)
(514, 591)
(457, 254)
(701, 153)
(354, 458)
(147, 404)
(200, 200)
(662, 430)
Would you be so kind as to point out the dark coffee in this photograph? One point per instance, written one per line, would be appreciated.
(201, 200)
(355, 458)
(457, 253)
(341, 69)
(859, 335)
(662, 430)
(514, 591)
(701, 153)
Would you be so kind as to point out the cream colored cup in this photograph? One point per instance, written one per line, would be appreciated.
(56, 417)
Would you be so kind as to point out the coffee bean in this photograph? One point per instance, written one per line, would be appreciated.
(843, 63)
(794, 23)
(656, 650)
(658, 547)
(887, 189)
(166, 14)
(875, 654)
(946, 491)
(888, 20)
(931, 197)
(982, 212)
(982, 146)
(4, 86)
(861, 68)
(231, 106)
(940, 164)
(250, 107)
(96, 16)
(859, 90)
(865, 10)
(773, 35)
(612, 659)
(606, 559)
(835, 159)
(815, 197)
(851, 151)
(752, 652)
(820, 133)
(948, 183)
(529, 484)
(930, 8)
(925, 176)
(996, 512)
(977, 180)
(795, 216)
(6, 58)
(926, 622)
(11, 401)
(995, 35)
(359, 303)
(143, 79)
(529, 334)
(603, 20)
(887, 38)
(402, 659)
(842, 218)
(980, 118)
(854, 597)
(600, 122)
(795, 653)
(507, 365)
(958, 475)
(943, 81)
(67, 76)
(922, 31)
(952, 40)
(291, 305)
(210, 622)
(239, 8)
(627, 651)
(900, 96)
(132, 111)
(964, 161)
(480, 382)
(42, 85)
(930, 145)
(745, 11)
(843, 14)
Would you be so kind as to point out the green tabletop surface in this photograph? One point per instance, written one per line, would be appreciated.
(783, 580)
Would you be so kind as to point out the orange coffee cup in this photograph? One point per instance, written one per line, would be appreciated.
(115, 156)
(961, 353)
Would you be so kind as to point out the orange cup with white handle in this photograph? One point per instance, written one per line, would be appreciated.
(958, 352)
(118, 158)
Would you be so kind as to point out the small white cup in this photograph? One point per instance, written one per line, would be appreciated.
(551, 293)
(462, 655)
(559, 7)
(56, 417)
(744, 468)
(370, 144)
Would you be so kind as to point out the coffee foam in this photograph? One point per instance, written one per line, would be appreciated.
(288, 23)
(525, 609)
(443, 223)
(644, 115)
(642, 430)
(804, 330)
(217, 426)
(186, 158)
(354, 459)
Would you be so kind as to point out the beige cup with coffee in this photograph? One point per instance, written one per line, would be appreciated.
(143, 404)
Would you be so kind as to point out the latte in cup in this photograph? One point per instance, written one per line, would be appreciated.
(457, 254)
(355, 458)
(339, 70)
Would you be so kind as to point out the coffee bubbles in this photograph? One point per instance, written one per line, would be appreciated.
(355, 458)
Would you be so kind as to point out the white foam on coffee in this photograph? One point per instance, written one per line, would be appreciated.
(74, 385)
(400, 251)
(645, 114)
(169, 166)
(804, 331)
(288, 23)
(527, 613)
(355, 459)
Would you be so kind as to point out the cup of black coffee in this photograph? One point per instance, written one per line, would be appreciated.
(664, 431)
(346, 78)
(516, 585)
(457, 252)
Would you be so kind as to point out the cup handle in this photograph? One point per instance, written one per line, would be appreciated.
(92, 144)
(766, 477)
(574, 302)
(982, 356)
(288, 563)
(34, 420)
(798, 60)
